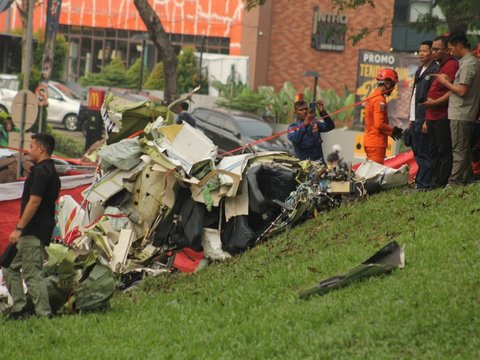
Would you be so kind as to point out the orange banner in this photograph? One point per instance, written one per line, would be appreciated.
(190, 17)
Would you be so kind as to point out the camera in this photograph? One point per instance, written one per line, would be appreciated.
(312, 108)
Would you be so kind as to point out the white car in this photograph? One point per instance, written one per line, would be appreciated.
(63, 104)
(9, 85)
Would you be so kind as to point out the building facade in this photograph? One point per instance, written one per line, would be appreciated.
(100, 30)
(283, 39)
(291, 40)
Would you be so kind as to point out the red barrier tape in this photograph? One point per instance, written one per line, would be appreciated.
(253, 143)
(26, 152)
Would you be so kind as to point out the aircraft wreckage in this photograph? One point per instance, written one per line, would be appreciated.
(163, 195)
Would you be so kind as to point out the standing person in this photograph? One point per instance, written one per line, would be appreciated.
(6, 126)
(436, 116)
(184, 116)
(34, 231)
(422, 82)
(304, 133)
(377, 130)
(463, 106)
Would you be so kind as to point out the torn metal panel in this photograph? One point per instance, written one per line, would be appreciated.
(384, 261)
(185, 145)
(93, 212)
(121, 249)
(385, 176)
(152, 190)
(126, 115)
(102, 242)
(210, 189)
(70, 215)
(238, 205)
(142, 256)
(110, 184)
(118, 221)
(156, 154)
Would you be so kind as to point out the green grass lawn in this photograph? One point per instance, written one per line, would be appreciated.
(248, 307)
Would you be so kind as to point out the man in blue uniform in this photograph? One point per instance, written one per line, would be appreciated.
(304, 133)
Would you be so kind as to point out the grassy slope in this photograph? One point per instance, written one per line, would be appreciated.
(248, 306)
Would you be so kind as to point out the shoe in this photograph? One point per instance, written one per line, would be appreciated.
(19, 315)
(415, 190)
(48, 316)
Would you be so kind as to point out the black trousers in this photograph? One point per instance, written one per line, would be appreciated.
(440, 140)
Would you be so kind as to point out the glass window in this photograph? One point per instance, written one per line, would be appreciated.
(253, 128)
(121, 50)
(86, 46)
(99, 32)
(97, 55)
(216, 120)
(111, 33)
(73, 59)
(87, 30)
(230, 126)
(123, 34)
(66, 90)
(54, 94)
(419, 8)
(201, 114)
(135, 50)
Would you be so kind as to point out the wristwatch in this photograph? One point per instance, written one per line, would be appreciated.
(18, 228)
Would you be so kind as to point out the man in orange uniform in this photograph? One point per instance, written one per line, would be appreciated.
(377, 129)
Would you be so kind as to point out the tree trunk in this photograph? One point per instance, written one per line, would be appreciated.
(22, 8)
(159, 37)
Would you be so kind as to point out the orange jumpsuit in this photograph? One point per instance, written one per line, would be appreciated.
(377, 130)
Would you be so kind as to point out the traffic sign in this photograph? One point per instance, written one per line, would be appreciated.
(24, 99)
(41, 93)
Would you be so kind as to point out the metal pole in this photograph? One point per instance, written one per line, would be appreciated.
(9, 19)
(202, 49)
(26, 82)
(141, 65)
(28, 50)
(40, 119)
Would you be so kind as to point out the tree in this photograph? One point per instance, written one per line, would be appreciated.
(60, 54)
(188, 75)
(22, 7)
(114, 74)
(159, 37)
(133, 75)
(155, 80)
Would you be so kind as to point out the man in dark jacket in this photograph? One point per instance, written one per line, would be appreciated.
(418, 126)
(304, 133)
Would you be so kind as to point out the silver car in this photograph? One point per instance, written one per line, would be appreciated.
(63, 103)
(63, 106)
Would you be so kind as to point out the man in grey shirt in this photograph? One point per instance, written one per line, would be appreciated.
(463, 106)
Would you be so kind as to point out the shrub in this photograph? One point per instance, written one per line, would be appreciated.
(67, 146)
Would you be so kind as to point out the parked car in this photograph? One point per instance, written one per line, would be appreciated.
(9, 85)
(232, 129)
(63, 106)
(63, 103)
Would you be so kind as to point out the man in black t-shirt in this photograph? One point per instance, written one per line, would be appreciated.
(34, 231)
